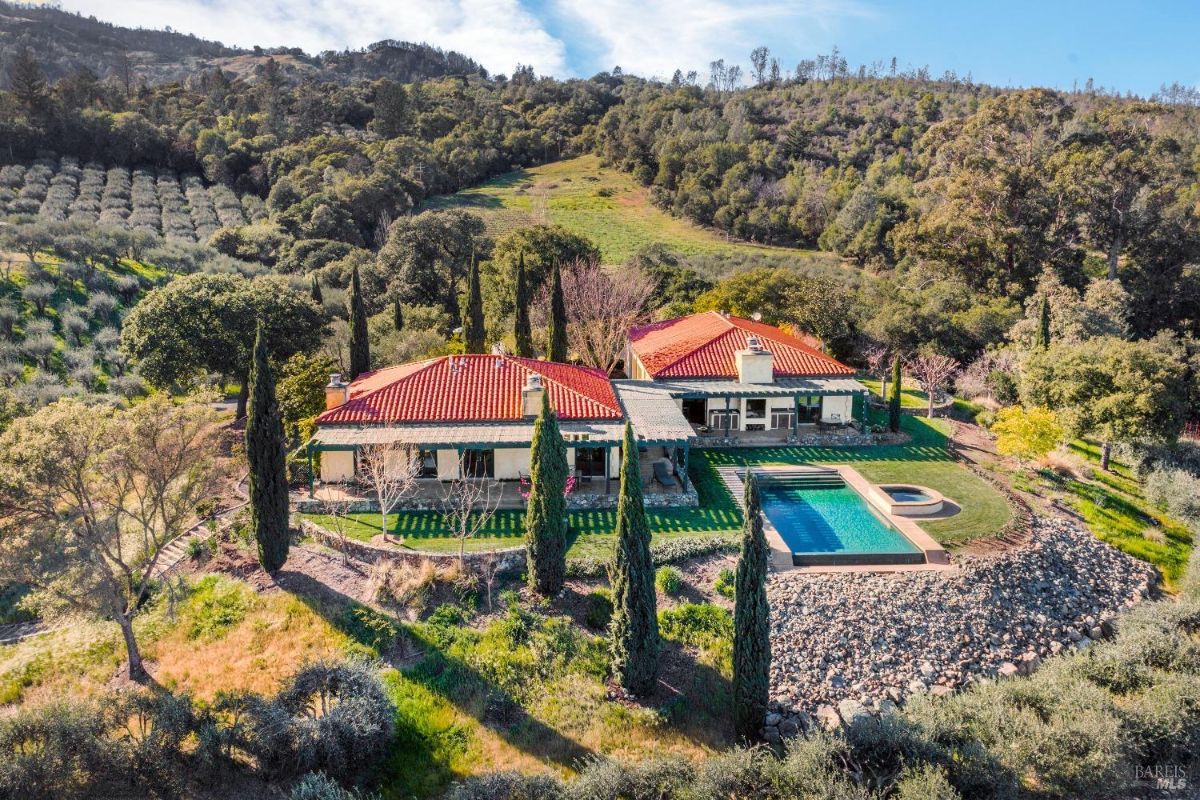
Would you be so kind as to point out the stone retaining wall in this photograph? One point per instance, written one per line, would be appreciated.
(511, 558)
(575, 501)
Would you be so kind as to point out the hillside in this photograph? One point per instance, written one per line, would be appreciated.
(606, 206)
(66, 43)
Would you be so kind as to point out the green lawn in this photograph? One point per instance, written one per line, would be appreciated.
(925, 461)
(909, 398)
(605, 205)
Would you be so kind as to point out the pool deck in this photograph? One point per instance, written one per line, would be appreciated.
(936, 557)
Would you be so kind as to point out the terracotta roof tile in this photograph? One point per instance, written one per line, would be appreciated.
(471, 388)
(703, 346)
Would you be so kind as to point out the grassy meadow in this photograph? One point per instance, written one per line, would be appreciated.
(609, 208)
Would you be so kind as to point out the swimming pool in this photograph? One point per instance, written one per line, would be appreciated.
(825, 522)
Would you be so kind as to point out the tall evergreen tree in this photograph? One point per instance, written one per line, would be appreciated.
(633, 632)
(360, 348)
(318, 296)
(267, 457)
(1043, 332)
(522, 331)
(28, 83)
(546, 516)
(473, 333)
(558, 317)
(894, 400)
(751, 622)
(397, 315)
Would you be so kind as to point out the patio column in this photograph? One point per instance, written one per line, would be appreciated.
(607, 457)
(728, 419)
(312, 478)
(795, 415)
(683, 468)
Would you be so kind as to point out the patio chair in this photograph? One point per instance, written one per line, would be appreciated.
(662, 474)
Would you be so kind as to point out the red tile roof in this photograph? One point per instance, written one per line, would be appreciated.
(471, 388)
(703, 346)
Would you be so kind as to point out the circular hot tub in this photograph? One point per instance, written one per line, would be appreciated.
(907, 500)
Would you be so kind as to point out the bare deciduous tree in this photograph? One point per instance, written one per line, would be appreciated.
(468, 506)
(90, 496)
(489, 569)
(336, 523)
(391, 471)
(601, 308)
(879, 361)
(933, 371)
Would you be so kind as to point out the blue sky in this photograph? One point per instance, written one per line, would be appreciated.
(1122, 45)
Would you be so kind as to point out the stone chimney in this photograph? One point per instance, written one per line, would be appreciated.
(531, 395)
(755, 364)
(336, 393)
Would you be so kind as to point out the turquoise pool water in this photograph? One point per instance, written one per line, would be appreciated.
(831, 520)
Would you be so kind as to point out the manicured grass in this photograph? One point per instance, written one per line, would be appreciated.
(909, 398)
(925, 461)
(605, 205)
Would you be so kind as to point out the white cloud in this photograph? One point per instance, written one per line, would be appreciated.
(497, 33)
(656, 38)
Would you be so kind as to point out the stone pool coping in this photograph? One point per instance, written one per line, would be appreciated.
(936, 557)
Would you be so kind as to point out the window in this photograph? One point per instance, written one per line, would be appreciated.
(782, 418)
(427, 464)
(756, 408)
(589, 461)
(693, 410)
(724, 420)
(479, 463)
(810, 408)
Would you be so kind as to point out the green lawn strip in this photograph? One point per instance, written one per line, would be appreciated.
(909, 398)
(1115, 511)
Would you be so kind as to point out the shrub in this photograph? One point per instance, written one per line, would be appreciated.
(1175, 491)
(726, 583)
(508, 786)
(318, 786)
(668, 581)
(669, 551)
(56, 750)
(403, 584)
(925, 782)
(696, 624)
(340, 717)
(598, 609)
(215, 605)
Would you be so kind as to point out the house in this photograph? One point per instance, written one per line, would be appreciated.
(473, 415)
(732, 376)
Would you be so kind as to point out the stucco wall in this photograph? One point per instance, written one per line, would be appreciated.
(837, 409)
(447, 464)
(511, 463)
(337, 466)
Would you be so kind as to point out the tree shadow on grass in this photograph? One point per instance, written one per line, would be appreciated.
(694, 696)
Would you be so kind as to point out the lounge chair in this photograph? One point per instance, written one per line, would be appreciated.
(662, 474)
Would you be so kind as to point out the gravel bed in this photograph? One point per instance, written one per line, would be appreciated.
(844, 644)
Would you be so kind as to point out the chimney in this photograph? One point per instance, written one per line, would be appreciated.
(531, 395)
(755, 364)
(336, 393)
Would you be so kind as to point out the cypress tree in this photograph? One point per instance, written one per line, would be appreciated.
(751, 622)
(317, 295)
(473, 334)
(1043, 334)
(521, 329)
(397, 315)
(266, 453)
(546, 516)
(558, 318)
(894, 400)
(360, 349)
(633, 632)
